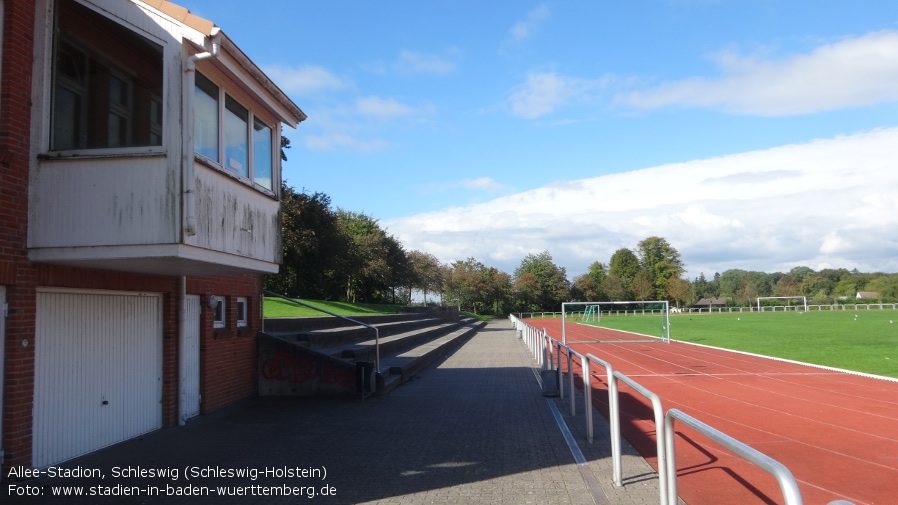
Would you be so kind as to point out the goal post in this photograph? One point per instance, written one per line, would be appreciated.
(648, 320)
(804, 300)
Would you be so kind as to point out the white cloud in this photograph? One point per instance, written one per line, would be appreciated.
(332, 141)
(388, 108)
(525, 29)
(853, 72)
(482, 183)
(836, 204)
(304, 80)
(545, 92)
(414, 62)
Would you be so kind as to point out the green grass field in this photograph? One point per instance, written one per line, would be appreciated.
(277, 307)
(867, 343)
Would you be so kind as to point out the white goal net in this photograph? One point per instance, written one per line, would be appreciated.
(630, 321)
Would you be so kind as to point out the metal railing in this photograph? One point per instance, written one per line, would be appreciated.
(543, 346)
(740, 309)
(664, 475)
(783, 476)
(349, 319)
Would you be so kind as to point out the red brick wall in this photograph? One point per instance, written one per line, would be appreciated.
(227, 355)
(15, 120)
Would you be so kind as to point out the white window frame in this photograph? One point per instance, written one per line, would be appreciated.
(124, 112)
(242, 311)
(220, 313)
(222, 164)
(116, 13)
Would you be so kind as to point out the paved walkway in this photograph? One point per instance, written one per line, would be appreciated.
(471, 428)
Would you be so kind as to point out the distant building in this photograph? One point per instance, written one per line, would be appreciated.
(139, 207)
(867, 295)
(714, 302)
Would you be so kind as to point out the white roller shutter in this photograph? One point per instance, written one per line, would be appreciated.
(98, 371)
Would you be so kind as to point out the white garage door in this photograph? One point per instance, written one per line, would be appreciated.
(98, 371)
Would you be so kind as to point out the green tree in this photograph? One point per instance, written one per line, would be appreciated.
(425, 274)
(498, 289)
(588, 287)
(662, 262)
(553, 286)
(366, 262)
(463, 286)
(819, 287)
(643, 287)
(615, 289)
(800, 273)
(398, 266)
(849, 285)
(748, 287)
(312, 242)
(624, 264)
(678, 290)
(701, 288)
(786, 286)
(476, 287)
(526, 293)
(886, 285)
(729, 281)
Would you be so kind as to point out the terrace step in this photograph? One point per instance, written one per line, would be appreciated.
(345, 336)
(330, 359)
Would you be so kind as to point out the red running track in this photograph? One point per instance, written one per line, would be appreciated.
(836, 432)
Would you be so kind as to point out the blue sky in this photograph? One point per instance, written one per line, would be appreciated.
(754, 134)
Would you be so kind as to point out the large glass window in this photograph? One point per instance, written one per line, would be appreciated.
(247, 152)
(262, 154)
(236, 134)
(119, 111)
(205, 111)
(104, 80)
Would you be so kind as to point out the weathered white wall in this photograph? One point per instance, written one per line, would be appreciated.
(104, 201)
(234, 218)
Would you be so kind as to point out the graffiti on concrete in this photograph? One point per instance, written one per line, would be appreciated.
(301, 369)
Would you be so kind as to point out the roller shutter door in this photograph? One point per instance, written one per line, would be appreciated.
(98, 371)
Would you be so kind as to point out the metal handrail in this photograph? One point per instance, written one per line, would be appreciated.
(663, 474)
(664, 425)
(319, 309)
(783, 476)
(613, 419)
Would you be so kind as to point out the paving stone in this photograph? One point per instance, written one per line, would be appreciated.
(473, 427)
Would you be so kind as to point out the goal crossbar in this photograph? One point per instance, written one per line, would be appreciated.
(594, 312)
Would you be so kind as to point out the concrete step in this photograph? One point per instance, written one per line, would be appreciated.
(324, 339)
(292, 325)
(292, 367)
(403, 366)
(365, 350)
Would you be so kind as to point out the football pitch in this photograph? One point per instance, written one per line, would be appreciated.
(863, 341)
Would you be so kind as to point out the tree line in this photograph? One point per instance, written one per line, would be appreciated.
(335, 254)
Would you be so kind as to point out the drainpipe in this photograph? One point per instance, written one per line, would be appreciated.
(182, 360)
(187, 134)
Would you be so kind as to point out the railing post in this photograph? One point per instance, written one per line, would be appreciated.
(587, 397)
(558, 368)
(613, 420)
(570, 376)
(663, 477)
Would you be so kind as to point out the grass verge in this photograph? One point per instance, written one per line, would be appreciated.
(278, 307)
